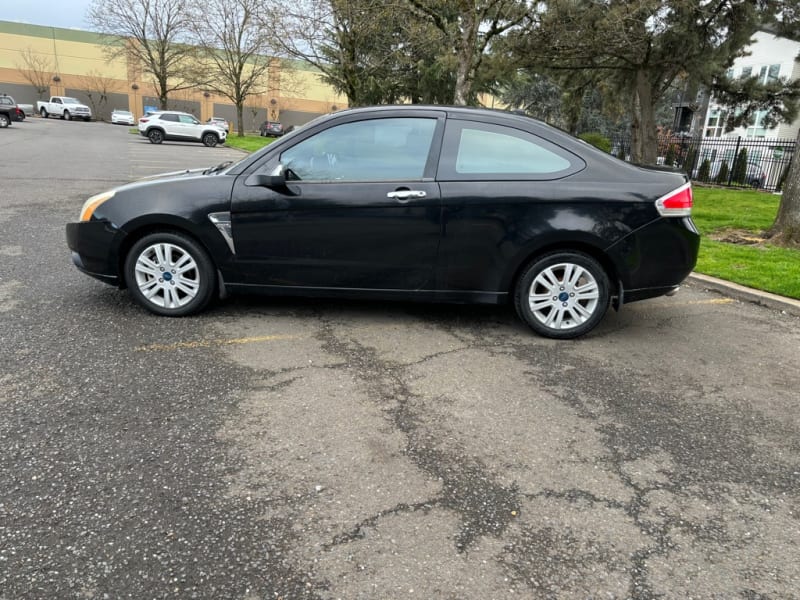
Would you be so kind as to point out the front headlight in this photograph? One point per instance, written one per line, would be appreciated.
(92, 203)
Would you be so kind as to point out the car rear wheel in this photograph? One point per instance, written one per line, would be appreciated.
(210, 140)
(563, 295)
(4, 121)
(43, 112)
(156, 136)
(170, 274)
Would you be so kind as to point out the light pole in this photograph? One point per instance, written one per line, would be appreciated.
(135, 110)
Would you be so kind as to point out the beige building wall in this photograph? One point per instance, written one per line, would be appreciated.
(77, 59)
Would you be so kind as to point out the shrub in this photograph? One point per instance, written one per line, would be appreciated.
(740, 167)
(704, 172)
(724, 173)
(598, 140)
(669, 159)
(688, 161)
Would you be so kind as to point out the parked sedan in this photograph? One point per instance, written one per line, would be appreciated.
(271, 129)
(220, 122)
(411, 203)
(754, 176)
(122, 117)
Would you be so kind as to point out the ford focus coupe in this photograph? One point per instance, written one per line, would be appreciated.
(402, 202)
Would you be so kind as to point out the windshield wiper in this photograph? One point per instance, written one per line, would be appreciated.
(218, 168)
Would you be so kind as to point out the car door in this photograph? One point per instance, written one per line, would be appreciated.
(169, 122)
(189, 127)
(360, 209)
(500, 190)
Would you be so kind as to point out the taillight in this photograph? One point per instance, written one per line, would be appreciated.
(143, 120)
(678, 203)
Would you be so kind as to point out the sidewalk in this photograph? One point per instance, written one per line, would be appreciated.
(746, 294)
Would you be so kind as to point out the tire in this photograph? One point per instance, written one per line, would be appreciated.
(66, 116)
(210, 140)
(562, 295)
(5, 120)
(87, 119)
(43, 112)
(170, 274)
(156, 136)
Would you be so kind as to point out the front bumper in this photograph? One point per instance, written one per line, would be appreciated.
(94, 246)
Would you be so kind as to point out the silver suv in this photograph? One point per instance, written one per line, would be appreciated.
(180, 127)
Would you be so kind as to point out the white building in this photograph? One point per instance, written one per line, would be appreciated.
(770, 57)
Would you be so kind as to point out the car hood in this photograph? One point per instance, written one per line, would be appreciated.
(187, 195)
(169, 175)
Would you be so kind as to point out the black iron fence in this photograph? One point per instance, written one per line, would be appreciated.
(737, 162)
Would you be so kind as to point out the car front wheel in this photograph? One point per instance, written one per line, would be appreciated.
(156, 136)
(67, 116)
(563, 295)
(4, 121)
(210, 140)
(170, 274)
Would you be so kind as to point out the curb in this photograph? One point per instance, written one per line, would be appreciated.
(746, 294)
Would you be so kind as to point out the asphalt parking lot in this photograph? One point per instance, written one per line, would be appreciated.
(316, 449)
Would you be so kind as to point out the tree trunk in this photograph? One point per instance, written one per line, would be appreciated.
(644, 143)
(466, 57)
(786, 227)
(162, 94)
(239, 117)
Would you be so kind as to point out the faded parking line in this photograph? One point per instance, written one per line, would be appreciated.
(214, 343)
(712, 301)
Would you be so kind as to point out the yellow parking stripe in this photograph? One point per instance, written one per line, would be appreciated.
(210, 343)
(714, 301)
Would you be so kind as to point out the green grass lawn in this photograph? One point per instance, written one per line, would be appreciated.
(250, 142)
(761, 266)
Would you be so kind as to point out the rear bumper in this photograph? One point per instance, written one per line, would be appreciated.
(94, 247)
(655, 259)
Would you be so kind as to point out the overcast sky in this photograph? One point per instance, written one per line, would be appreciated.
(63, 13)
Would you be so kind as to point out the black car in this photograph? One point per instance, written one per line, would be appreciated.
(271, 129)
(408, 202)
(9, 111)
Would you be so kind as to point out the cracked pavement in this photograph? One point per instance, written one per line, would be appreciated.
(283, 448)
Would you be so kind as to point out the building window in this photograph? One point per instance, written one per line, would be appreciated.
(773, 73)
(715, 126)
(747, 72)
(756, 128)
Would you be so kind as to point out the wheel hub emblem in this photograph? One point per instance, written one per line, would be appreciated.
(563, 296)
(167, 276)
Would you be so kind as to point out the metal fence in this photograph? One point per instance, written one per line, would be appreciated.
(735, 162)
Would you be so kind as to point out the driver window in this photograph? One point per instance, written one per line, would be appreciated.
(374, 150)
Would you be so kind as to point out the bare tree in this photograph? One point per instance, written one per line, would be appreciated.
(346, 41)
(97, 88)
(37, 69)
(154, 34)
(235, 49)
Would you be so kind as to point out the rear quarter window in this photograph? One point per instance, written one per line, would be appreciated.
(481, 151)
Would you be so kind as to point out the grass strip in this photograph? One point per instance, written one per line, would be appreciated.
(757, 265)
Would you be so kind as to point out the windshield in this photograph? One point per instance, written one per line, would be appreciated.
(70, 101)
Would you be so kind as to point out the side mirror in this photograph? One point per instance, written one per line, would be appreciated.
(273, 182)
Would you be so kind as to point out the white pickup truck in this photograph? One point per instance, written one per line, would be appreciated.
(64, 107)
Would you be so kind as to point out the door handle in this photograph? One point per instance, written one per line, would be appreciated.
(405, 195)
